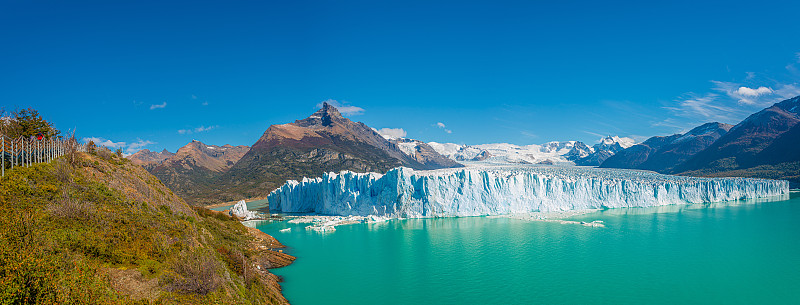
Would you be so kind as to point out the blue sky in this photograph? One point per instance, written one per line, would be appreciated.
(159, 74)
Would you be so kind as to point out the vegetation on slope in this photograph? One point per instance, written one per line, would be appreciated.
(94, 228)
(26, 123)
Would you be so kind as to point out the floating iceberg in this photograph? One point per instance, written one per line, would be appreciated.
(498, 190)
(240, 210)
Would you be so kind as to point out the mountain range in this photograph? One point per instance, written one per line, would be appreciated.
(662, 153)
(323, 142)
(763, 145)
(566, 152)
(149, 159)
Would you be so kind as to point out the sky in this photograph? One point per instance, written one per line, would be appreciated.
(156, 75)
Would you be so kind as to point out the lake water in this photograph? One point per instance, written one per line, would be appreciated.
(734, 253)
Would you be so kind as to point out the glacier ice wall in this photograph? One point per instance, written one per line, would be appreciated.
(474, 191)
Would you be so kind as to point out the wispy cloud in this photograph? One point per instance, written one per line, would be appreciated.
(196, 130)
(706, 108)
(127, 148)
(528, 134)
(158, 106)
(343, 106)
(204, 103)
(732, 101)
(787, 91)
(593, 133)
(194, 97)
(443, 127)
(391, 133)
(728, 103)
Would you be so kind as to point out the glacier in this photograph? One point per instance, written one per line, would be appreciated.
(498, 190)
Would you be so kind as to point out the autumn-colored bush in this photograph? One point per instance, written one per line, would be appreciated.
(195, 272)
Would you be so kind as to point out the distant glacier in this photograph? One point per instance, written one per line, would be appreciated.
(497, 190)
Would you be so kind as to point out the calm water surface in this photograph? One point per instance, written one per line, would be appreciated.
(736, 253)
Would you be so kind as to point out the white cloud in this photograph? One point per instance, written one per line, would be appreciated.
(754, 92)
(742, 94)
(442, 126)
(196, 130)
(158, 106)
(134, 147)
(343, 107)
(194, 97)
(391, 133)
(103, 142)
(127, 148)
(798, 56)
(205, 103)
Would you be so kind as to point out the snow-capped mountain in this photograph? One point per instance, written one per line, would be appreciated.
(422, 152)
(460, 152)
(565, 152)
(607, 147)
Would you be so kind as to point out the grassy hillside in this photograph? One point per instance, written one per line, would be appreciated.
(96, 229)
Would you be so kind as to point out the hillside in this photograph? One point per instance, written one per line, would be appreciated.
(149, 159)
(662, 153)
(193, 168)
(98, 229)
(763, 145)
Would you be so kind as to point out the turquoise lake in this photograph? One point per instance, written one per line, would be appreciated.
(732, 253)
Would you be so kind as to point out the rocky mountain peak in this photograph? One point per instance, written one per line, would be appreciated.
(324, 117)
